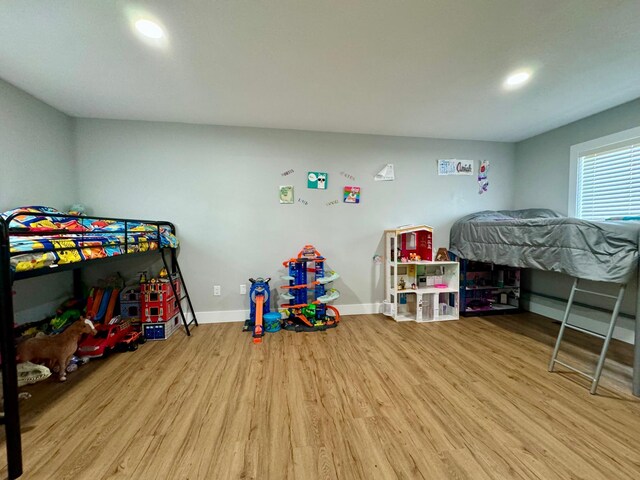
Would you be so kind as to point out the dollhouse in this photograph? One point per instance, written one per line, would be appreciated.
(417, 288)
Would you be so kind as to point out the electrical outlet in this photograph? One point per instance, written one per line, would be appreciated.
(243, 289)
(216, 290)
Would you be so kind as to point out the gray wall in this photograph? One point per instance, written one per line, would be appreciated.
(542, 162)
(219, 185)
(36, 152)
(542, 180)
(37, 168)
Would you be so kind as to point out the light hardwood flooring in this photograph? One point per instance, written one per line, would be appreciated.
(371, 399)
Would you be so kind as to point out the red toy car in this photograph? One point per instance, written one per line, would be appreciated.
(109, 338)
(131, 341)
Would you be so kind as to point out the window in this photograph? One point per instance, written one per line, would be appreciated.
(606, 177)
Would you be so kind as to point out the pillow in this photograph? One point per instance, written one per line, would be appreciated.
(38, 218)
(532, 213)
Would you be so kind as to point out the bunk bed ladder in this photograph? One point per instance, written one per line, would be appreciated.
(607, 338)
(175, 270)
(11, 417)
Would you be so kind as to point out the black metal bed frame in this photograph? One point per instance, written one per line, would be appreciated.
(11, 419)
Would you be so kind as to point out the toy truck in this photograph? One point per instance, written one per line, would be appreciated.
(117, 336)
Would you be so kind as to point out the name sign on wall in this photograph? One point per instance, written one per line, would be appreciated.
(455, 167)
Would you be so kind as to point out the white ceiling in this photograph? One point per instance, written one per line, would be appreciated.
(428, 68)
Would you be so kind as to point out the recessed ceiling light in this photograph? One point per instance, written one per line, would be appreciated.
(517, 79)
(149, 29)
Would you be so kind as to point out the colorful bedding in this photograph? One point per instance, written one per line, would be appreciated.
(80, 238)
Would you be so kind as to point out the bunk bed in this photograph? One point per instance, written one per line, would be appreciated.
(36, 241)
(546, 240)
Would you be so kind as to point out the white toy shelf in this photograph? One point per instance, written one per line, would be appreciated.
(417, 288)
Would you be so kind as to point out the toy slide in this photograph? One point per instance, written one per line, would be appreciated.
(299, 305)
(258, 329)
(115, 294)
(304, 320)
(336, 314)
(96, 303)
(298, 287)
(103, 306)
(329, 296)
(330, 278)
(89, 306)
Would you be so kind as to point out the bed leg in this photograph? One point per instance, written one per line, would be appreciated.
(607, 340)
(11, 418)
(563, 325)
(636, 346)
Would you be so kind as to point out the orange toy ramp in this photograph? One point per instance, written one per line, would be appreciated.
(97, 300)
(115, 295)
(258, 330)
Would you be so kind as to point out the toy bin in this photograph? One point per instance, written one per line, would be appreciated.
(272, 322)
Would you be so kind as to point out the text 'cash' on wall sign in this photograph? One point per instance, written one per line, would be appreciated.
(455, 167)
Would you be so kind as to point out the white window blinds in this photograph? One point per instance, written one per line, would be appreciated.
(609, 183)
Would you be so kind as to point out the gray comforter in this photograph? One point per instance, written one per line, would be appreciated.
(546, 240)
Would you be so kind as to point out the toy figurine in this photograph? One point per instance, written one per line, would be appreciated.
(413, 286)
(414, 257)
(442, 255)
(143, 277)
(164, 275)
(401, 284)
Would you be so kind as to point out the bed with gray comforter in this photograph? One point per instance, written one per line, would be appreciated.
(545, 240)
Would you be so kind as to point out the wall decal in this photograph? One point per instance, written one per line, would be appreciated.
(334, 202)
(386, 174)
(302, 201)
(455, 167)
(348, 175)
(483, 181)
(351, 194)
(286, 194)
(288, 172)
(317, 180)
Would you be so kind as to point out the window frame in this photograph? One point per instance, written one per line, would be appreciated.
(619, 139)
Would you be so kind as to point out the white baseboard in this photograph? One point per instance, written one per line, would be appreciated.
(593, 320)
(359, 308)
(225, 316)
(222, 316)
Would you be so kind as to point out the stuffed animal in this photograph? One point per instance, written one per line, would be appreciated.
(57, 349)
(31, 373)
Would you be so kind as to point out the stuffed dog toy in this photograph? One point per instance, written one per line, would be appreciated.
(56, 349)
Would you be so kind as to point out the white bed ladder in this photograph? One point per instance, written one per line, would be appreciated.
(607, 338)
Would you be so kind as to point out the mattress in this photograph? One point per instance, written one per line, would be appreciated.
(35, 244)
(545, 240)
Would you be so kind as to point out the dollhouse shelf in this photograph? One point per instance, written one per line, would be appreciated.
(487, 289)
(425, 290)
(410, 284)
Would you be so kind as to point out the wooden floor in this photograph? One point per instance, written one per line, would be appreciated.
(370, 399)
